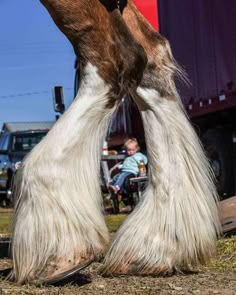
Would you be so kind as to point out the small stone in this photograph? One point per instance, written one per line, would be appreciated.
(178, 288)
(172, 286)
(196, 291)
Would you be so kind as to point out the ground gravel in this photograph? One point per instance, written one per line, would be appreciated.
(206, 281)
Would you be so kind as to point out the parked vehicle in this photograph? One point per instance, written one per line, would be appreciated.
(16, 141)
(203, 40)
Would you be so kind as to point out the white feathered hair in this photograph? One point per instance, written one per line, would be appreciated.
(58, 214)
(176, 224)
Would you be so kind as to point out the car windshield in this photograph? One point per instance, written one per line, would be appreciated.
(24, 142)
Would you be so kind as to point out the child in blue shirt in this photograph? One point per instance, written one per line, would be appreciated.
(130, 164)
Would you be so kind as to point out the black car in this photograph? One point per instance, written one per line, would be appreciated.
(15, 144)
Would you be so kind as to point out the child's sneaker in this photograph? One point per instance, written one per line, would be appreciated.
(114, 188)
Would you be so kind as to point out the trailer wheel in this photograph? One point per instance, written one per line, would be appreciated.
(218, 146)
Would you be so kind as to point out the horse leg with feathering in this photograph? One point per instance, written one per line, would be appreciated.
(176, 224)
(58, 222)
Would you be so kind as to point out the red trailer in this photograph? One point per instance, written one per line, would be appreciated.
(202, 36)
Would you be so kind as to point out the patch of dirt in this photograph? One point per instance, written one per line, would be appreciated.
(206, 281)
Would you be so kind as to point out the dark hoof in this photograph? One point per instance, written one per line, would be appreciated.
(66, 274)
(4, 273)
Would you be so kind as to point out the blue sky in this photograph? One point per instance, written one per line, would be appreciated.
(34, 57)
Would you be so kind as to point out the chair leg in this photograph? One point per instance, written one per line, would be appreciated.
(115, 203)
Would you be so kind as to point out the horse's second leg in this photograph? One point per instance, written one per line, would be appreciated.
(176, 224)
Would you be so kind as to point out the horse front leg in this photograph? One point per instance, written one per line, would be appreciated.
(58, 222)
(176, 224)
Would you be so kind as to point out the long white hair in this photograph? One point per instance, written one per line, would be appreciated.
(58, 216)
(176, 223)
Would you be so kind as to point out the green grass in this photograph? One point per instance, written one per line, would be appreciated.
(114, 221)
(5, 220)
(226, 255)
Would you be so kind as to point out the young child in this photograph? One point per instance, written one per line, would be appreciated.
(130, 164)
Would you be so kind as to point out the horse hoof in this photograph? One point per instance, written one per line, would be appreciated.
(59, 275)
(4, 273)
(135, 269)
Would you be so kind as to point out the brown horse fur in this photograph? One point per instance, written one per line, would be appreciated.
(101, 38)
(58, 222)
